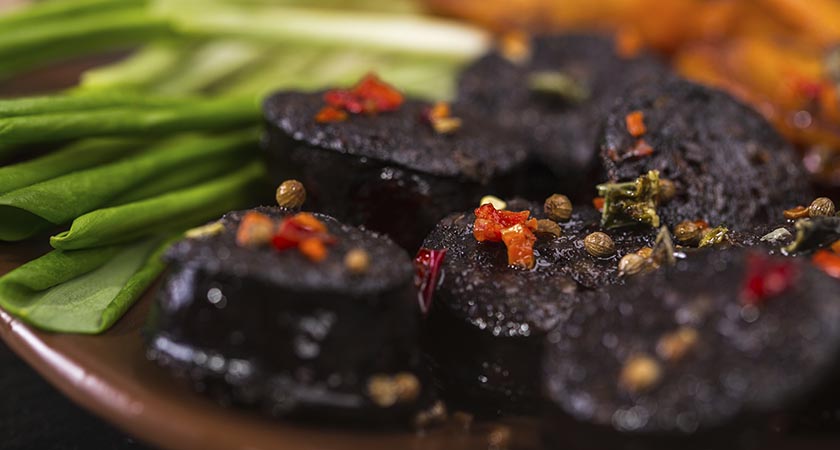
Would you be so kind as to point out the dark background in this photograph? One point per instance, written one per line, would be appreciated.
(33, 415)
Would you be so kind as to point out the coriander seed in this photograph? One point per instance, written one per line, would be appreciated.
(291, 194)
(687, 232)
(631, 264)
(548, 227)
(599, 244)
(667, 189)
(357, 261)
(640, 373)
(558, 207)
(822, 206)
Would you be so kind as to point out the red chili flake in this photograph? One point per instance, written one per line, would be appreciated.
(640, 150)
(439, 116)
(255, 229)
(300, 231)
(519, 241)
(427, 264)
(835, 247)
(598, 203)
(828, 262)
(766, 278)
(489, 222)
(635, 122)
(330, 114)
(701, 224)
(370, 96)
(808, 89)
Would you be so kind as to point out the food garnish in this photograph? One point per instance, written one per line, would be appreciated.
(822, 206)
(558, 207)
(493, 200)
(766, 278)
(674, 346)
(814, 233)
(211, 229)
(548, 227)
(797, 212)
(386, 390)
(515, 229)
(828, 262)
(369, 96)
(713, 236)
(599, 245)
(635, 122)
(427, 263)
(631, 264)
(640, 373)
(687, 232)
(290, 194)
(558, 84)
(631, 203)
(439, 116)
(357, 261)
(255, 229)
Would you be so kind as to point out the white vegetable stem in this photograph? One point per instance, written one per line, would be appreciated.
(391, 32)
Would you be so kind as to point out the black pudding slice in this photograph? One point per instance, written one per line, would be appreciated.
(391, 172)
(562, 132)
(676, 359)
(486, 327)
(275, 331)
(729, 165)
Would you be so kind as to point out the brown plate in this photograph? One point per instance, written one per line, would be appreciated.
(109, 375)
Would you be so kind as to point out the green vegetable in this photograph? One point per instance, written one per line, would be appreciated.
(139, 71)
(82, 102)
(22, 48)
(33, 209)
(189, 115)
(81, 155)
(83, 291)
(631, 203)
(814, 233)
(183, 208)
(558, 84)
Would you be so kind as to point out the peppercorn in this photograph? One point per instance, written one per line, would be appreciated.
(640, 372)
(546, 227)
(599, 244)
(687, 232)
(291, 194)
(631, 264)
(558, 207)
(822, 206)
(357, 261)
(667, 189)
(798, 212)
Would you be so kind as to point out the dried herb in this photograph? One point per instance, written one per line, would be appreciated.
(631, 203)
(713, 237)
(558, 84)
(814, 233)
(663, 248)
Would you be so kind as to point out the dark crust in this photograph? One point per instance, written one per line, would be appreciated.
(281, 337)
(729, 164)
(486, 327)
(739, 373)
(475, 152)
(219, 254)
(563, 135)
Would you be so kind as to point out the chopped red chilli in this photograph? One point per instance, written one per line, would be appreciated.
(306, 233)
(635, 122)
(370, 95)
(427, 263)
(828, 262)
(766, 278)
(515, 229)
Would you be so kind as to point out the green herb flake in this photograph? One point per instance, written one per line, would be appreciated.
(631, 203)
(814, 233)
(559, 84)
(713, 237)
